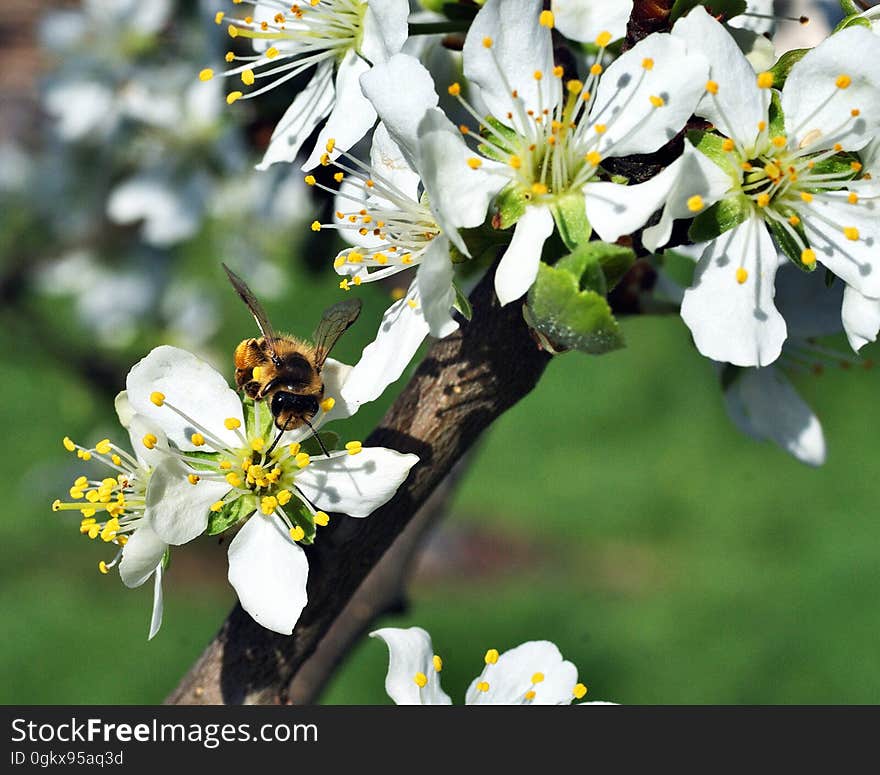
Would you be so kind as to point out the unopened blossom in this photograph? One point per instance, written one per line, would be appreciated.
(787, 169)
(533, 673)
(338, 40)
(225, 459)
(114, 509)
(548, 131)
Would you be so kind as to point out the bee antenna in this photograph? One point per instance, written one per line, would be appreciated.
(317, 438)
(274, 444)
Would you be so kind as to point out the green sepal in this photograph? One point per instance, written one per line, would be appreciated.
(598, 266)
(313, 449)
(166, 559)
(830, 277)
(724, 8)
(679, 268)
(784, 64)
(775, 115)
(462, 303)
(787, 244)
(711, 146)
(720, 217)
(250, 415)
(568, 318)
(298, 514)
(231, 514)
(570, 215)
(852, 21)
(206, 456)
(500, 148)
(510, 205)
(839, 164)
(849, 7)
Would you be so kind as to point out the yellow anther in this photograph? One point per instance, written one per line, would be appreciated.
(206, 75)
(746, 166)
(474, 163)
(558, 71)
(76, 493)
(537, 678)
(328, 403)
(843, 81)
(727, 144)
(302, 459)
(321, 518)
(851, 233)
(712, 87)
(772, 171)
(294, 448)
(338, 261)
(579, 691)
(420, 680)
(596, 69)
(657, 102)
(406, 258)
(354, 447)
(84, 454)
(853, 198)
(297, 533)
(765, 80)
(808, 257)
(230, 56)
(231, 423)
(216, 506)
(103, 447)
(232, 30)
(487, 42)
(529, 695)
(600, 129)
(594, 158)
(515, 162)
(257, 444)
(695, 203)
(233, 479)
(338, 177)
(68, 444)
(483, 686)
(218, 17)
(855, 166)
(271, 52)
(116, 460)
(380, 258)
(56, 505)
(102, 567)
(225, 465)
(94, 530)
(193, 478)
(491, 657)
(150, 441)
(438, 663)
(780, 141)
(762, 125)
(310, 180)
(741, 275)
(248, 77)
(412, 304)
(763, 200)
(331, 144)
(268, 504)
(233, 96)
(546, 19)
(603, 39)
(539, 189)
(794, 220)
(354, 257)
(284, 497)
(806, 196)
(157, 398)
(80, 482)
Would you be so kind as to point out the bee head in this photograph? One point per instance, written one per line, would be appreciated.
(291, 409)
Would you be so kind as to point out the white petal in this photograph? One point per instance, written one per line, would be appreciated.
(269, 572)
(764, 405)
(389, 163)
(583, 20)
(763, 22)
(354, 484)
(520, 46)
(139, 427)
(141, 554)
(193, 387)
(458, 195)
(411, 652)
(732, 322)
(511, 677)
(623, 100)
(739, 104)
(158, 604)
(434, 282)
(170, 213)
(401, 332)
(518, 267)
(308, 109)
(856, 262)
(123, 408)
(385, 29)
(178, 509)
(401, 90)
(81, 109)
(861, 318)
(814, 105)
(352, 115)
(335, 375)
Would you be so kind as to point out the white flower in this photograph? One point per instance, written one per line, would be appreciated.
(548, 132)
(339, 40)
(582, 20)
(785, 176)
(533, 673)
(221, 461)
(115, 508)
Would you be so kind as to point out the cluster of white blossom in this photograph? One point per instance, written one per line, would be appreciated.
(769, 166)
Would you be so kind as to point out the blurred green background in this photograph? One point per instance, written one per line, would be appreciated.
(615, 511)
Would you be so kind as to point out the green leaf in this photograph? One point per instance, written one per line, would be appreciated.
(726, 8)
(166, 559)
(568, 318)
(784, 64)
(711, 146)
(462, 303)
(570, 214)
(719, 218)
(598, 266)
(510, 205)
(311, 446)
(775, 115)
(788, 244)
(679, 267)
(231, 513)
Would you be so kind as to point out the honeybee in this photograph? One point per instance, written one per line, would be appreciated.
(284, 370)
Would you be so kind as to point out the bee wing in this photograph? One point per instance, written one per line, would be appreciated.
(334, 323)
(247, 296)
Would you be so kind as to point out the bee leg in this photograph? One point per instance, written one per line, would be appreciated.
(252, 389)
